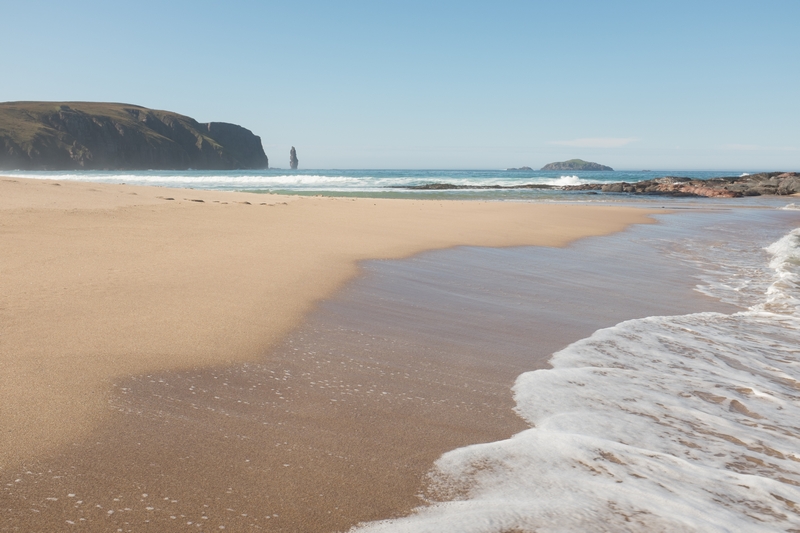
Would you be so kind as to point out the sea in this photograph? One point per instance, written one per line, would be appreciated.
(383, 183)
(660, 423)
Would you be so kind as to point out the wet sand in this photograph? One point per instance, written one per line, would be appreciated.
(101, 281)
(338, 422)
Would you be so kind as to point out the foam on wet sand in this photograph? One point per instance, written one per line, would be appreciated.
(664, 423)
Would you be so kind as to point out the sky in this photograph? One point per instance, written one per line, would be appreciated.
(456, 85)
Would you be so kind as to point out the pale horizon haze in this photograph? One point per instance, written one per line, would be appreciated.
(456, 85)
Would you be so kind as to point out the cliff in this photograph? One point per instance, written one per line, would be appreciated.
(575, 164)
(108, 136)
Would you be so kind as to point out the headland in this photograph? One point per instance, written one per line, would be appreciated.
(112, 136)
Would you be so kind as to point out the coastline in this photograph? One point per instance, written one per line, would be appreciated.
(674, 421)
(338, 421)
(102, 281)
(492, 185)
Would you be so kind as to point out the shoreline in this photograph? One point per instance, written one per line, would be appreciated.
(623, 431)
(338, 421)
(102, 281)
(486, 185)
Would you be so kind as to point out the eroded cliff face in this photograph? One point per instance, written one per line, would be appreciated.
(240, 143)
(99, 136)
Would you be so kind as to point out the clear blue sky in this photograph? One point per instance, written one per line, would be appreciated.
(382, 84)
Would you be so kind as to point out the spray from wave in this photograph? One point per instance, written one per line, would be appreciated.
(566, 180)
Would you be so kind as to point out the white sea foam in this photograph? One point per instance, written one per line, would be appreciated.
(743, 174)
(783, 296)
(566, 180)
(216, 180)
(731, 270)
(344, 181)
(347, 181)
(790, 207)
(683, 423)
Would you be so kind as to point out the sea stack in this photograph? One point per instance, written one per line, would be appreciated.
(293, 159)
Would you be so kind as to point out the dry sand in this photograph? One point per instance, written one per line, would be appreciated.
(103, 284)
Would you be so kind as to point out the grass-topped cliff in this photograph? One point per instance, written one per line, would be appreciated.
(109, 136)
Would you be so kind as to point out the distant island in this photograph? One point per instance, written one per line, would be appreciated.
(111, 136)
(575, 164)
(520, 168)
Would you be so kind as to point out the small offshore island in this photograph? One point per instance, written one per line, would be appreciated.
(572, 164)
(575, 164)
(112, 136)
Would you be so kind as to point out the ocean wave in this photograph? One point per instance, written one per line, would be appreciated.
(682, 423)
(208, 179)
(566, 180)
(344, 181)
(289, 182)
(783, 295)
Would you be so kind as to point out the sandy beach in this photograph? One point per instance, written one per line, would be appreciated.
(398, 268)
(157, 343)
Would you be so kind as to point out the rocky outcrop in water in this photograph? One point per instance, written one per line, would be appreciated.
(764, 183)
(775, 183)
(293, 159)
(450, 186)
(575, 164)
(107, 136)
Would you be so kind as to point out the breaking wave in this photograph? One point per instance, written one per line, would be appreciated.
(681, 423)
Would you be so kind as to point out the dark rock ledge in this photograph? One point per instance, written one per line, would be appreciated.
(450, 186)
(764, 183)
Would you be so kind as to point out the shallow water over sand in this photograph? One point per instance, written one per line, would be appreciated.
(666, 423)
(341, 422)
